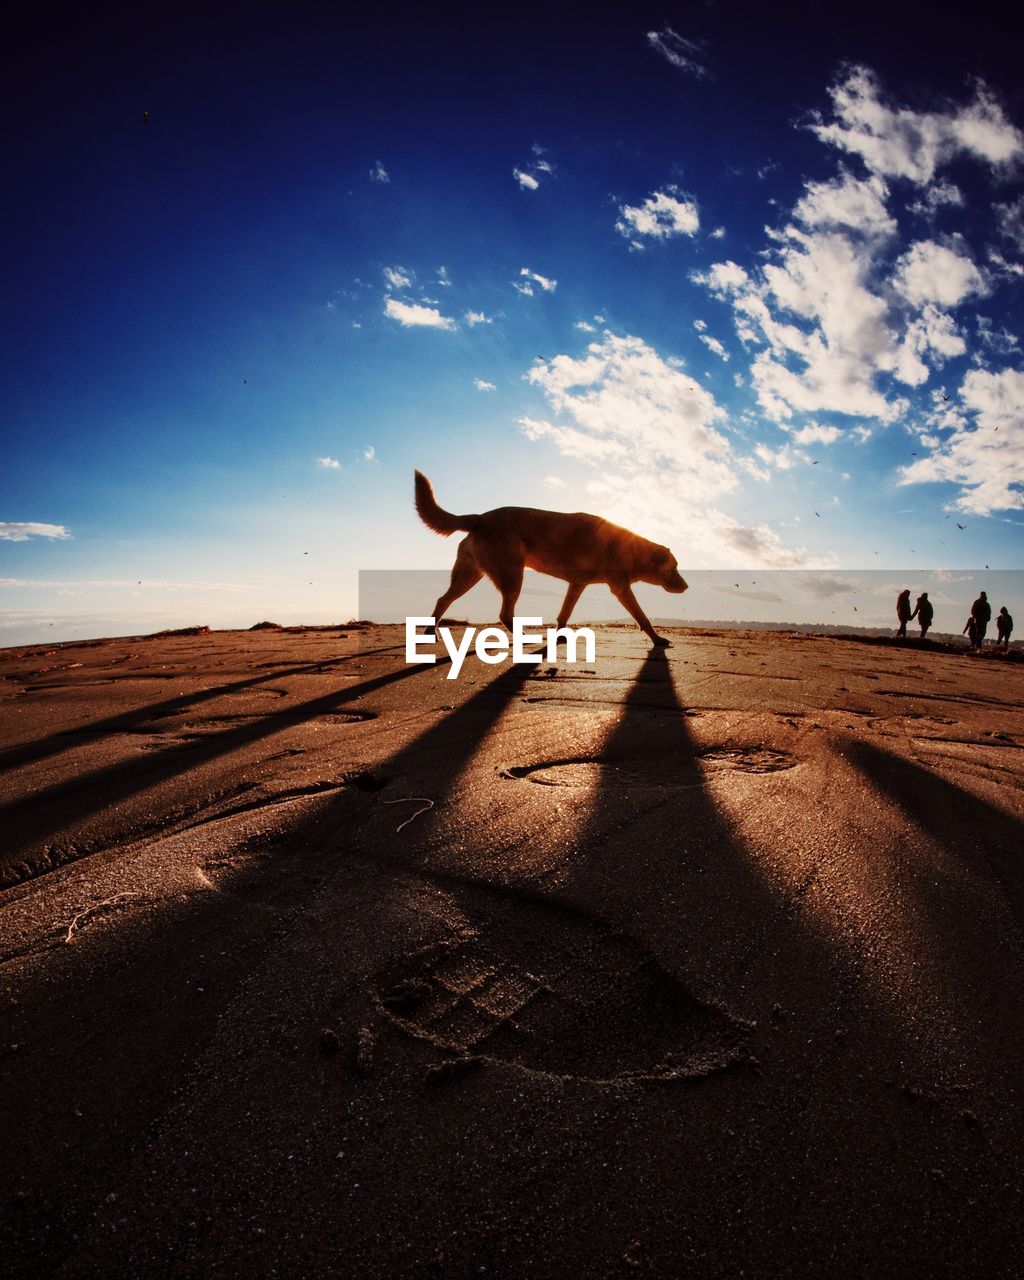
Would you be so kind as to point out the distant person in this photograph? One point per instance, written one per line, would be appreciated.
(903, 612)
(923, 612)
(1004, 627)
(981, 612)
(970, 631)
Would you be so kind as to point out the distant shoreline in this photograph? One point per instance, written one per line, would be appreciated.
(940, 641)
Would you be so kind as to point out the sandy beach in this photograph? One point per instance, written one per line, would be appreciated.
(706, 962)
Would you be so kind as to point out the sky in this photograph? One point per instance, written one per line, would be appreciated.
(743, 278)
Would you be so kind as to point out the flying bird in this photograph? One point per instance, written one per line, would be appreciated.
(960, 526)
(944, 396)
(818, 514)
(814, 463)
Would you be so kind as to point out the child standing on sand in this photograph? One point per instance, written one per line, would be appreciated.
(1004, 627)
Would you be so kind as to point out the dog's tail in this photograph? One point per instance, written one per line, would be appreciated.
(435, 517)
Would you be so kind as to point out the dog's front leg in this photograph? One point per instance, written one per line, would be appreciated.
(624, 595)
(569, 603)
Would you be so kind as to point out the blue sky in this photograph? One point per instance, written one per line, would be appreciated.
(746, 282)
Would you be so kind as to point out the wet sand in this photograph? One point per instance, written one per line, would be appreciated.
(700, 963)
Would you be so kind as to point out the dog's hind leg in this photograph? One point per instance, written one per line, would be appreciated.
(569, 603)
(466, 573)
(624, 594)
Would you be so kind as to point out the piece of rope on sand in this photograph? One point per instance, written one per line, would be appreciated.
(427, 804)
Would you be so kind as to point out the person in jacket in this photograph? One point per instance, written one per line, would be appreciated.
(1004, 627)
(923, 612)
(981, 612)
(903, 612)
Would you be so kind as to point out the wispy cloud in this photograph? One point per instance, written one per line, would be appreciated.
(687, 55)
(379, 174)
(474, 318)
(412, 315)
(482, 385)
(816, 433)
(529, 279)
(22, 530)
(329, 464)
(980, 448)
(530, 175)
(842, 311)
(713, 345)
(397, 278)
(900, 142)
(369, 453)
(653, 435)
(662, 215)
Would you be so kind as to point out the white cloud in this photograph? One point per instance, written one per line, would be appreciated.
(443, 277)
(714, 345)
(899, 142)
(653, 434)
(940, 193)
(409, 315)
(329, 464)
(529, 175)
(663, 214)
(1010, 219)
(687, 55)
(783, 458)
(721, 278)
(397, 277)
(931, 272)
(1001, 341)
(984, 450)
(841, 310)
(474, 318)
(553, 482)
(817, 433)
(22, 530)
(584, 326)
(718, 233)
(846, 201)
(481, 385)
(379, 174)
(369, 453)
(530, 278)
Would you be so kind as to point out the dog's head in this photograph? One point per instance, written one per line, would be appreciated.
(664, 571)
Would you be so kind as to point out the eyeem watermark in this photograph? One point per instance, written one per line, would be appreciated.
(492, 644)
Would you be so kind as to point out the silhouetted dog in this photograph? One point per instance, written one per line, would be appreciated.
(577, 547)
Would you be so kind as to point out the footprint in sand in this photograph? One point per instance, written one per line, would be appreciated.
(546, 989)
